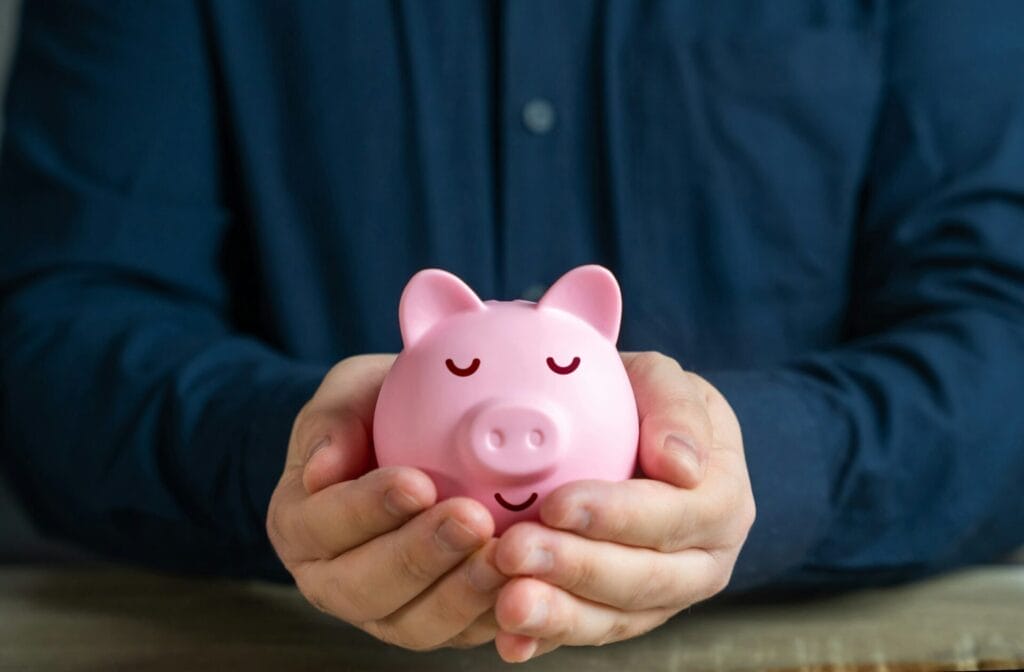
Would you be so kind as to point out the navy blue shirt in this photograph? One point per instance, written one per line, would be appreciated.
(817, 205)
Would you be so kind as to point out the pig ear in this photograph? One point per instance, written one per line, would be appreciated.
(591, 294)
(431, 296)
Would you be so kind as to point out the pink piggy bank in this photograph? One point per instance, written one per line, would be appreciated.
(504, 401)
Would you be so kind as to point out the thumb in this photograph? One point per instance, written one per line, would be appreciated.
(331, 437)
(677, 459)
(675, 428)
(340, 452)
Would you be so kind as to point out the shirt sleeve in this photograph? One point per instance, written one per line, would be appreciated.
(137, 417)
(901, 451)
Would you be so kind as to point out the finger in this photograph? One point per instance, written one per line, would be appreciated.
(516, 648)
(375, 579)
(624, 577)
(544, 646)
(536, 609)
(676, 433)
(480, 631)
(451, 605)
(520, 648)
(647, 513)
(342, 516)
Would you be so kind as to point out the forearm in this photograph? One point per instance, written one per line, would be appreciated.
(139, 425)
(885, 459)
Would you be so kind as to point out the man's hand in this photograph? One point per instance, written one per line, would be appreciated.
(614, 560)
(373, 548)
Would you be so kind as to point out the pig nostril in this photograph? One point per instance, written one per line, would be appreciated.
(496, 439)
(536, 438)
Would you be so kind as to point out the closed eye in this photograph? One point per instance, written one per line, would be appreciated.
(564, 370)
(459, 371)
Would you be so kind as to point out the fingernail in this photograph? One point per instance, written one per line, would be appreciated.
(538, 615)
(453, 536)
(577, 519)
(320, 445)
(400, 504)
(484, 577)
(683, 449)
(538, 561)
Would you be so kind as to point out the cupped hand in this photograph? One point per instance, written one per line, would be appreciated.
(375, 548)
(614, 560)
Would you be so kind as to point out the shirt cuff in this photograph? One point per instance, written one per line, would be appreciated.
(793, 440)
(266, 441)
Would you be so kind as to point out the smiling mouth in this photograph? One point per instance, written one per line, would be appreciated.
(516, 507)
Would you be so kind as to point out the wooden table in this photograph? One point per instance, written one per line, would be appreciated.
(114, 619)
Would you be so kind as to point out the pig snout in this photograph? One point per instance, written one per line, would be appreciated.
(514, 441)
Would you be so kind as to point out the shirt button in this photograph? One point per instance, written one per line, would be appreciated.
(533, 292)
(539, 116)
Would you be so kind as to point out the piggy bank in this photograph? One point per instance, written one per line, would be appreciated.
(503, 401)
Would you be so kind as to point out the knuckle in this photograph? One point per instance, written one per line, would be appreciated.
(304, 427)
(300, 421)
(706, 389)
(304, 530)
(473, 636)
(718, 582)
(339, 371)
(386, 631)
(291, 524)
(734, 517)
(411, 642)
(274, 531)
(562, 625)
(452, 608)
(722, 582)
(651, 620)
(619, 630)
(648, 361)
(482, 629)
(419, 647)
(652, 589)
(746, 518)
(358, 511)
(689, 414)
(611, 522)
(383, 479)
(464, 641)
(303, 417)
(581, 575)
(312, 594)
(614, 513)
(750, 512)
(352, 601)
(704, 427)
(413, 562)
(720, 566)
(281, 542)
(402, 635)
(671, 542)
(679, 530)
